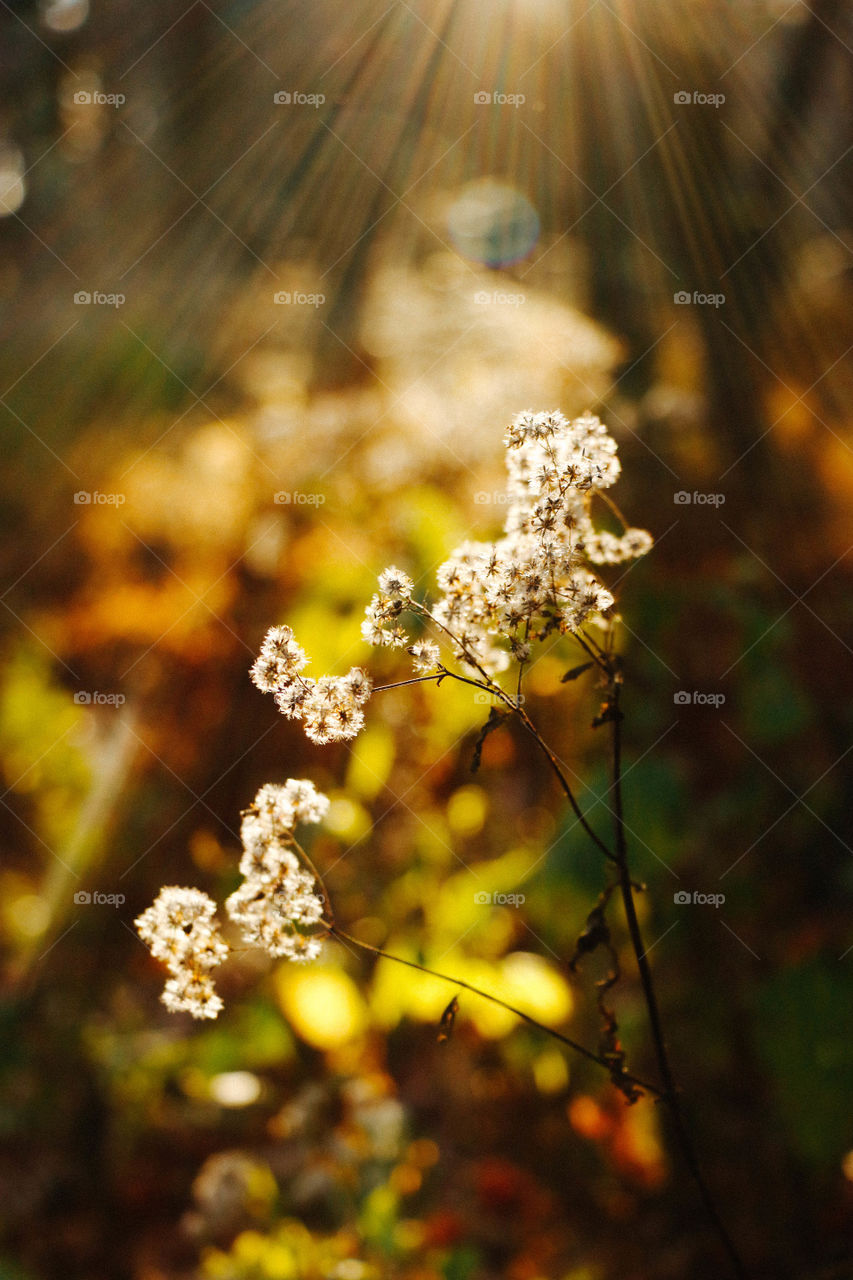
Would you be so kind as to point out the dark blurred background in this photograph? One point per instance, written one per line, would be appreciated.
(255, 349)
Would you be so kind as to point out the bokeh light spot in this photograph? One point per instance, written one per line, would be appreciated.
(235, 1088)
(64, 15)
(466, 810)
(13, 188)
(493, 223)
(324, 1006)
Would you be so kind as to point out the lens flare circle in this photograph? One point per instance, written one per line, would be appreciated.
(493, 223)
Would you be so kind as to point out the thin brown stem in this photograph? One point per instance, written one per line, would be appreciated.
(608, 501)
(399, 684)
(521, 665)
(485, 995)
(589, 651)
(600, 655)
(544, 748)
(327, 901)
(489, 682)
(563, 781)
(671, 1096)
(493, 687)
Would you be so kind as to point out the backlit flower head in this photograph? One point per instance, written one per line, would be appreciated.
(426, 656)
(180, 929)
(498, 597)
(278, 899)
(330, 707)
(393, 582)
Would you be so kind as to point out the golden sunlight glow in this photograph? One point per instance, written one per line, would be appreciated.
(324, 1006)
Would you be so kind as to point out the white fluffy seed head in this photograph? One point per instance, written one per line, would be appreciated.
(180, 929)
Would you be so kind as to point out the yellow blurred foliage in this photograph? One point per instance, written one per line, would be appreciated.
(524, 980)
(467, 809)
(322, 1003)
(371, 758)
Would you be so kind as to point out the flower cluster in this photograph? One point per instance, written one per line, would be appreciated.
(277, 899)
(330, 708)
(535, 579)
(497, 598)
(180, 929)
(276, 903)
(381, 622)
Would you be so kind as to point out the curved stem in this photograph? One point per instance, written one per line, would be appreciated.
(521, 665)
(327, 901)
(608, 501)
(563, 781)
(485, 995)
(546, 751)
(399, 684)
(506, 698)
(671, 1096)
(589, 643)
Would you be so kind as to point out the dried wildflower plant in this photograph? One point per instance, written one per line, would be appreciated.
(277, 901)
(276, 907)
(329, 708)
(181, 930)
(498, 601)
(497, 598)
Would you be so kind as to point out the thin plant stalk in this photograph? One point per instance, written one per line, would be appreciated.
(336, 932)
(670, 1095)
(619, 856)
